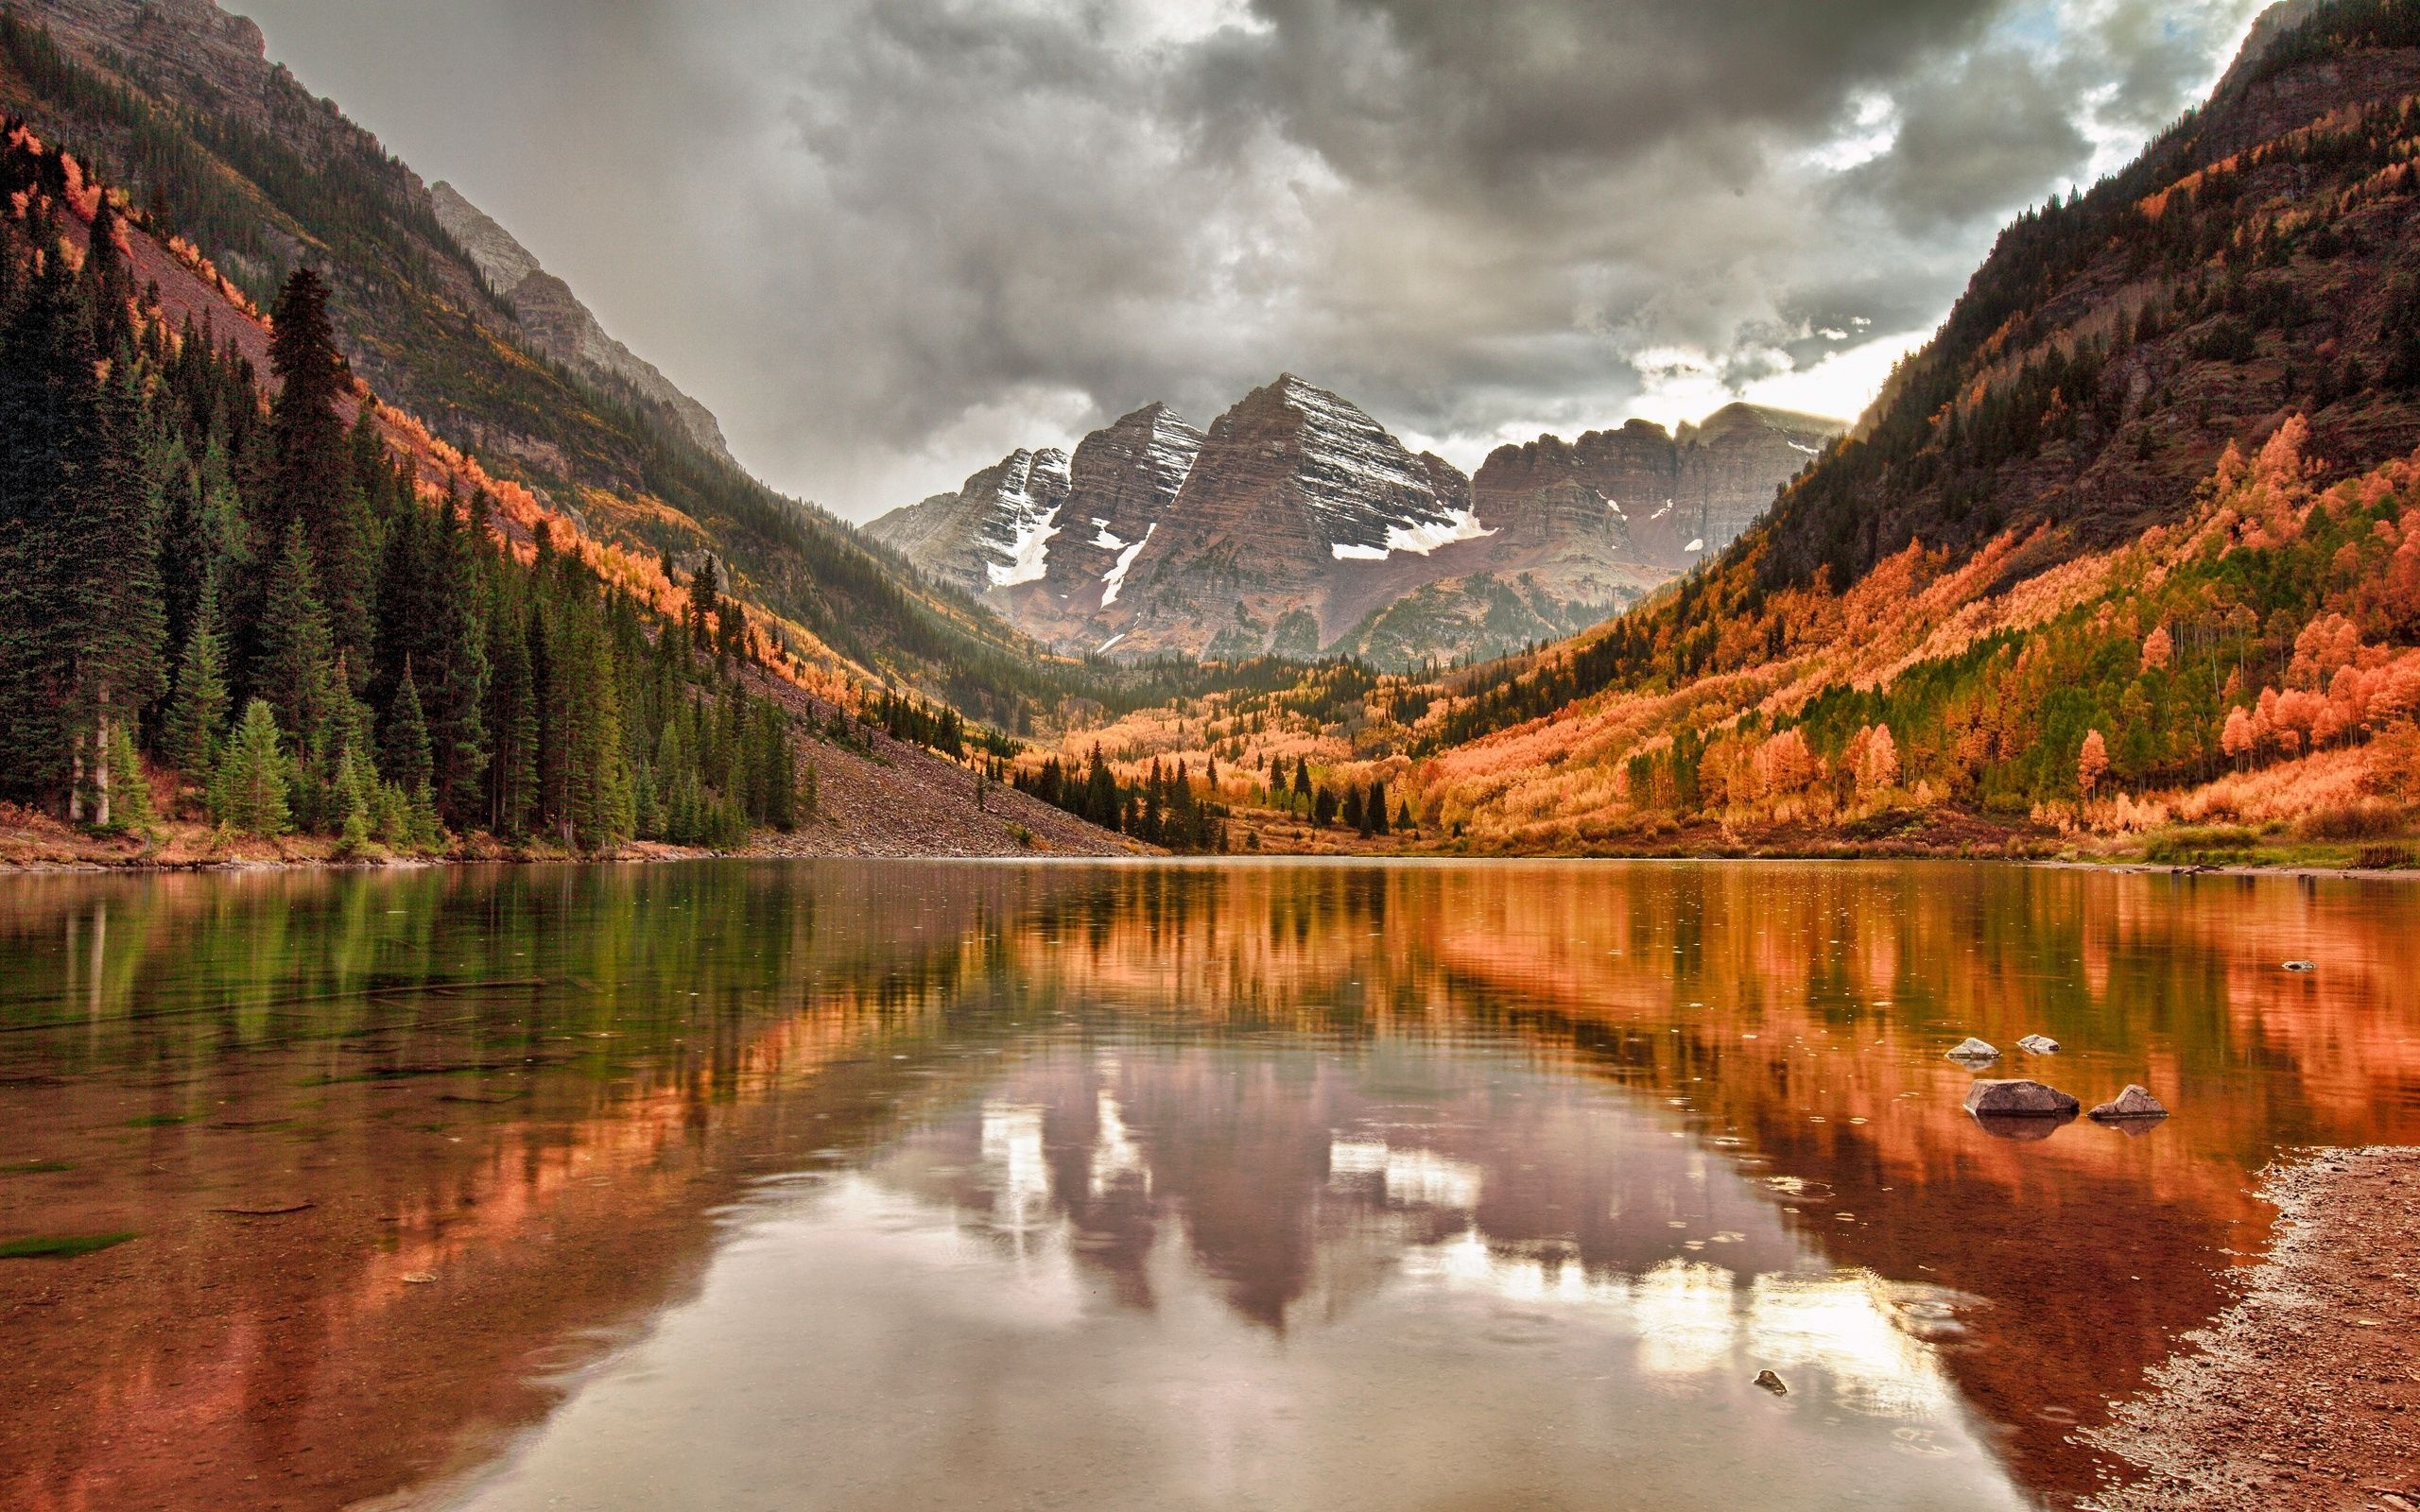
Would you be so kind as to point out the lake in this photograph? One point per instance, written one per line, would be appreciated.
(889, 1185)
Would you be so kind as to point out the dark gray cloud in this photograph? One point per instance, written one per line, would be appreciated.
(887, 239)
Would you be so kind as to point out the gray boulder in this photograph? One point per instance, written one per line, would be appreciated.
(2017, 1098)
(2134, 1102)
(2038, 1044)
(1972, 1048)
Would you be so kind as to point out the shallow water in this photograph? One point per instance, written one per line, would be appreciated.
(852, 1185)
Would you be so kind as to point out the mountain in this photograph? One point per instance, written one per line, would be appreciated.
(226, 152)
(2126, 559)
(1299, 525)
(1673, 498)
(558, 324)
(993, 533)
(518, 640)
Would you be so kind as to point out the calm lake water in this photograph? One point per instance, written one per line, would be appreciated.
(812, 1185)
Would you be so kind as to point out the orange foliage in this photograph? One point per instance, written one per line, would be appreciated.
(2158, 649)
(2092, 763)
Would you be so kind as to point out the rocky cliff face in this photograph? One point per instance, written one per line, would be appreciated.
(1298, 525)
(994, 533)
(1671, 500)
(1297, 493)
(558, 324)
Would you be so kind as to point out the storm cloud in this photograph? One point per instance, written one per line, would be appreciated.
(887, 240)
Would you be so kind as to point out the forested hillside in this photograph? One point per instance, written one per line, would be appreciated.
(255, 595)
(215, 145)
(2132, 549)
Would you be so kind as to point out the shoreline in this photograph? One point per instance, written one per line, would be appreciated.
(2306, 1393)
(643, 853)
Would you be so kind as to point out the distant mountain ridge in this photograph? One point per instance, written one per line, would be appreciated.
(1298, 525)
(555, 320)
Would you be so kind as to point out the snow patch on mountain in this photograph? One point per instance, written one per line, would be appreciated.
(1023, 515)
(1115, 578)
(1173, 448)
(1367, 495)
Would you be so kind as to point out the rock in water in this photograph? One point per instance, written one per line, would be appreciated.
(2302, 966)
(2135, 1101)
(2027, 1129)
(1772, 1383)
(2038, 1044)
(1972, 1049)
(2014, 1098)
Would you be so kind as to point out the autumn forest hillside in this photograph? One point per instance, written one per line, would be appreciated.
(2128, 557)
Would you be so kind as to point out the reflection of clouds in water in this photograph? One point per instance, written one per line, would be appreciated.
(1691, 1318)
(1413, 1179)
(1115, 1155)
(1847, 1324)
(1012, 1150)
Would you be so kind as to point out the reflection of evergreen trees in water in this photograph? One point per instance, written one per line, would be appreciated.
(255, 592)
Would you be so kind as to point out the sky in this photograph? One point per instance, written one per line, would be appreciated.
(887, 241)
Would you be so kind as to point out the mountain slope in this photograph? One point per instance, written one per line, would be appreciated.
(2126, 560)
(176, 99)
(558, 324)
(2147, 385)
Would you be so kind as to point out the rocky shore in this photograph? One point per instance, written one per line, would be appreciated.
(2305, 1393)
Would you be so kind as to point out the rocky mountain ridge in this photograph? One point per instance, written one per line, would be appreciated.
(558, 324)
(1298, 525)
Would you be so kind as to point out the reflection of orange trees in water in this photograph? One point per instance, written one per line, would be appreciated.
(2130, 972)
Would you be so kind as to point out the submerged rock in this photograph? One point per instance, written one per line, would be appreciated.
(1972, 1049)
(2038, 1044)
(1772, 1383)
(2017, 1098)
(2134, 1102)
(2029, 1127)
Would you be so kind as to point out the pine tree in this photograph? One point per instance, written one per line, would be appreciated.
(132, 809)
(50, 398)
(197, 711)
(458, 694)
(354, 793)
(512, 766)
(1100, 795)
(406, 759)
(296, 669)
(311, 484)
(110, 604)
(249, 791)
(109, 280)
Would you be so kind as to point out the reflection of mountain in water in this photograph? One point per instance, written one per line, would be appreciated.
(1298, 1184)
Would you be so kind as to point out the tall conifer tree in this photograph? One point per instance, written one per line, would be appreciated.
(311, 483)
